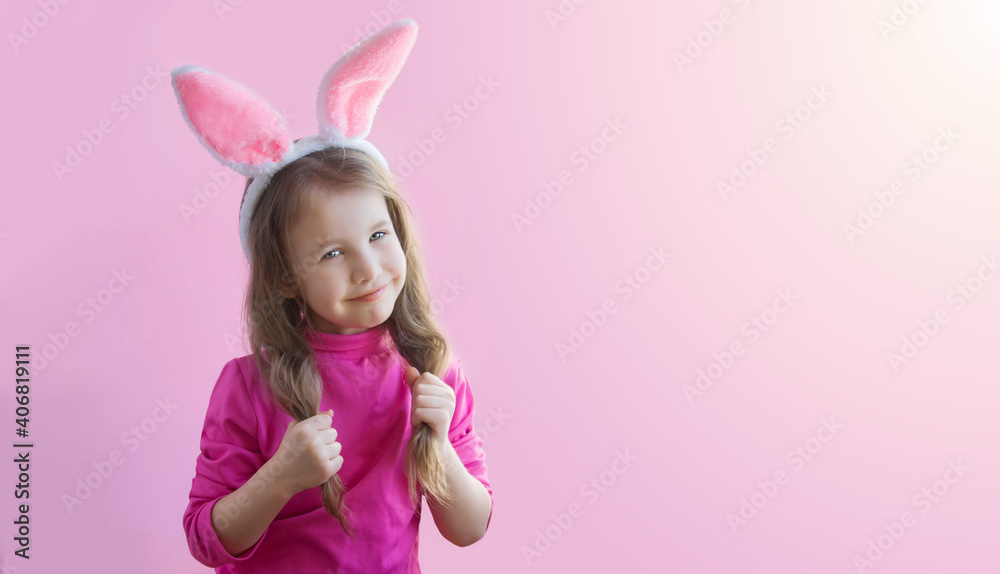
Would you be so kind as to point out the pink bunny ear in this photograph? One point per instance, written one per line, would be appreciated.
(353, 86)
(239, 127)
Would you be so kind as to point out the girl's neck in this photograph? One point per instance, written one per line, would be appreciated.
(354, 345)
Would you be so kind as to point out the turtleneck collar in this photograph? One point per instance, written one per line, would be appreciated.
(333, 345)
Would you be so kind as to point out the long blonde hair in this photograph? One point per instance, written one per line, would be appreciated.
(275, 324)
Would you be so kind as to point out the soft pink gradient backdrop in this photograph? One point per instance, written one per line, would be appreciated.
(550, 425)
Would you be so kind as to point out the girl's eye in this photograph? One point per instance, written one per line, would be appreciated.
(373, 235)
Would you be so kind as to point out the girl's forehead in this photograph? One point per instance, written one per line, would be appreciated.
(323, 195)
(336, 215)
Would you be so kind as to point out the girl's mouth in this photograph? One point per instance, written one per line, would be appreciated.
(371, 296)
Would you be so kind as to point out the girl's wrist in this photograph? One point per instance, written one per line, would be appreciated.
(442, 441)
(282, 485)
(448, 453)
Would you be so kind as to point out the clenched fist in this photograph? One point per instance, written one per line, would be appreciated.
(309, 453)
(432, 402)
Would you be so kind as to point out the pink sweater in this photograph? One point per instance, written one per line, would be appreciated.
(364, 384)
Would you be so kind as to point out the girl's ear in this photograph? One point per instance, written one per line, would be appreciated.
(286, 288)
(237, 126)
(353, 86)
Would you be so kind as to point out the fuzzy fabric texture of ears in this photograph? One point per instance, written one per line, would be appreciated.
(239, 127)
(352, 88)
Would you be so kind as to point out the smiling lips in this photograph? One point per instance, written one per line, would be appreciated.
(371, 296)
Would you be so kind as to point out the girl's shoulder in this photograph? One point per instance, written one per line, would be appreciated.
(454, 375)
(239, 376)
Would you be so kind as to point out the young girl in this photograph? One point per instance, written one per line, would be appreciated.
(316, 447)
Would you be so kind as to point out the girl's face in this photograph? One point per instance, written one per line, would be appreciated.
(344, 246)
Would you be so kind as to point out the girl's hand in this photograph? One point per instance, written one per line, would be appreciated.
(309, 453)
(432, 402)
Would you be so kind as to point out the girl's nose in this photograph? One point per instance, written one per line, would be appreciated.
(368, 266)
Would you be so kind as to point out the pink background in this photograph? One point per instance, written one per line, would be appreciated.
(510, 296)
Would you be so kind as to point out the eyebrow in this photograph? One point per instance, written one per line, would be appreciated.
(322, 243)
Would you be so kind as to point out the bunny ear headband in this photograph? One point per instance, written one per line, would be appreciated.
(248, 135)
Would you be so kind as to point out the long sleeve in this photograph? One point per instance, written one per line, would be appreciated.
(462, 433)
(230, 455)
